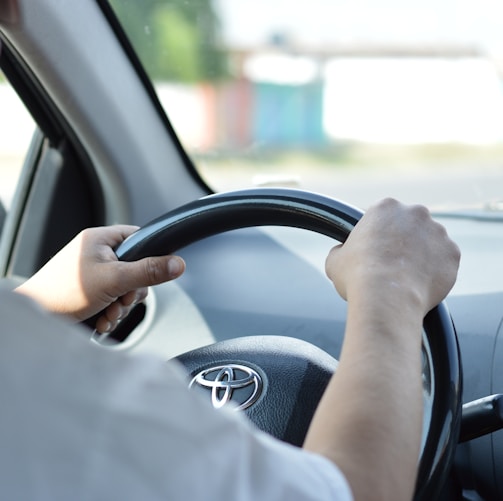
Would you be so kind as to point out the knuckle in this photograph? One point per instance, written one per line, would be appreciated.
(421, 211)
(389, 203)
(153, 271)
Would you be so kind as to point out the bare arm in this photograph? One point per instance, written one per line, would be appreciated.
(85, 277)
(396, 266)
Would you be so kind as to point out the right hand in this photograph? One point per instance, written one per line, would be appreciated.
(398, 251)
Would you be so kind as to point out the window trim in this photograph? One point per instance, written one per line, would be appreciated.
(53, 131)
(126, 45)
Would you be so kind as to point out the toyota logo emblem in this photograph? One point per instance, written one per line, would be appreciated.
(234, 383)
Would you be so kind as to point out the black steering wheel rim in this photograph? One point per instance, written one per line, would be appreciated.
(221, 212)
(215, 214)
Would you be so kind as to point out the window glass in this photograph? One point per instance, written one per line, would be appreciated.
(357, 100)
(16, 130)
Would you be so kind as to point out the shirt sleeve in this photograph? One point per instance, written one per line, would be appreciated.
(81, 422)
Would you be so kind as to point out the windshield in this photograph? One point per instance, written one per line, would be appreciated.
(357, 100)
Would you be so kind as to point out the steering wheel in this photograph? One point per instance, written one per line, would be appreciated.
(278, 381)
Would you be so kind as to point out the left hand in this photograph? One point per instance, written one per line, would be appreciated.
(86, 277)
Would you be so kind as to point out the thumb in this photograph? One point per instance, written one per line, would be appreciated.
(152, 271)
(331, 260)
(334, 270)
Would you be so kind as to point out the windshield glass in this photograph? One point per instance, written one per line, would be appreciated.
(357, 100)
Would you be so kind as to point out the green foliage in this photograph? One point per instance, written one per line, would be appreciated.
(176, 40)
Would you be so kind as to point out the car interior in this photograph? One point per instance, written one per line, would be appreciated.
(115, 127)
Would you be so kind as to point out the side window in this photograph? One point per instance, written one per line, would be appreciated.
(16, 130)
(48, 187)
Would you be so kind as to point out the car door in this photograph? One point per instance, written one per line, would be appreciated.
(102, 152)
(52, 192)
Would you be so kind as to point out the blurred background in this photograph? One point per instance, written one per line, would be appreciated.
(358, 99)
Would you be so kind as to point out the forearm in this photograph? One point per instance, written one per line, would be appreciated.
(85, 278)
(39, 289)
(369, 420)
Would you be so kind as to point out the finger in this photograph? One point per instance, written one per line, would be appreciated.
(134, 297)
(103, 325)
(150, 271)
(112, 316)
(111, 236)
(125, 230)
(116, 311)
(120, 309)
(332, 255)
(333, 271)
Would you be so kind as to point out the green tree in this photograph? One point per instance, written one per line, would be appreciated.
(176, 40)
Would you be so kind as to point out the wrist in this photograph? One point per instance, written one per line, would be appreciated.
(387, 311)
(390, 291)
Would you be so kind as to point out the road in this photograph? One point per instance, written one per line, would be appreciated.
(433, 186)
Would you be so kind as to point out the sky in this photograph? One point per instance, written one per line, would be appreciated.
(328, 22)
